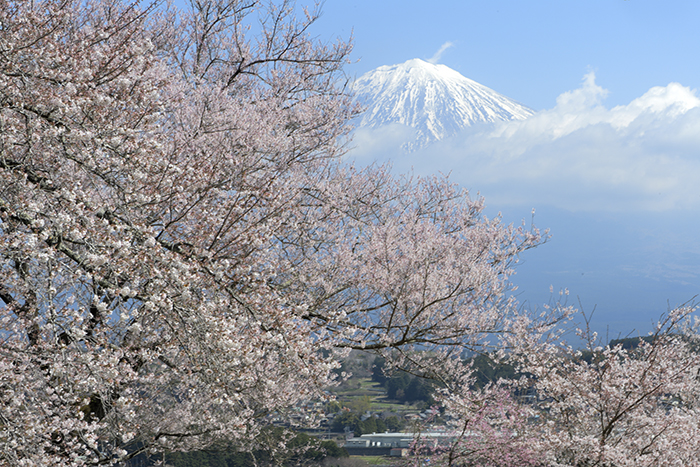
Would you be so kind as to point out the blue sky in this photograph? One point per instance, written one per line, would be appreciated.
(611, 161)
(531, 51)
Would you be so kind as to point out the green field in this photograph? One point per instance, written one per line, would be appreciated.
(365, 387)
(376, 460)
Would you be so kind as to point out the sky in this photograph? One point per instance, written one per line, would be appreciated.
(611, 160)
(530, 51)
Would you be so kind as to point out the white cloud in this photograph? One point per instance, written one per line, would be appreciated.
(579, 155)
(369, 144)
(436, 58)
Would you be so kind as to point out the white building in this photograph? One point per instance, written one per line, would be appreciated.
(394, 440)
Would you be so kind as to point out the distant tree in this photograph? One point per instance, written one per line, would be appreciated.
(394, 423)
(396, 385)
(405, 388)
(418, 389)
(345, 419)
(629, 343)
(300, 449)
(359, 404)
(378, 370)
(372, 424)
(331, 449)
(334, 407)
(487, 370)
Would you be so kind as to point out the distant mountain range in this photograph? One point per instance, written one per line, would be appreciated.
(435, 100)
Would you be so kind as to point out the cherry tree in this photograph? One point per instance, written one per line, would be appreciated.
(617, 406)
(182, 251)
(489, 428)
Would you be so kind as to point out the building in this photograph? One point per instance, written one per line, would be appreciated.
(385, 444)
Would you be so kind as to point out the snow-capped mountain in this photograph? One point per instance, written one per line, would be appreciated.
(435, 100)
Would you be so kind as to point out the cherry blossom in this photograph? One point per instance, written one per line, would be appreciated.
(183, 252)
(617, 406)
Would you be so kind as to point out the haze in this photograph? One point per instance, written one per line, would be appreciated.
(610, 161)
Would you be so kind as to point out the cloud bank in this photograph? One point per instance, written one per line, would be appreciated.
(578, 156)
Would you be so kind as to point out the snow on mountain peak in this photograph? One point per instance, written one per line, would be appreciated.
(434, 99)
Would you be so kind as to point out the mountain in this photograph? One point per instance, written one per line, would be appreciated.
(435, 100)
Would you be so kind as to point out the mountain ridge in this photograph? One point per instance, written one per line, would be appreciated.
(435, 100)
